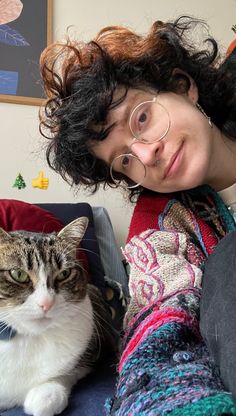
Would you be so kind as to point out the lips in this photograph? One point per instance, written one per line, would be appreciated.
(174, 163)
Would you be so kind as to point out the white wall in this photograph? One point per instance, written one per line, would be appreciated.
(19, 136)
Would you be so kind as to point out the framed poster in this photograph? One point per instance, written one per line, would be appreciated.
(25, 30)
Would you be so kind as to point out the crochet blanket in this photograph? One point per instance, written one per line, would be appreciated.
(165, 367)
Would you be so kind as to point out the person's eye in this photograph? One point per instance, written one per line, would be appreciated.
(126, 164)
(140, 120)
(125, 161)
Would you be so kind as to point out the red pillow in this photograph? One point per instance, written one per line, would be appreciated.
(19, 215)
(146, 211)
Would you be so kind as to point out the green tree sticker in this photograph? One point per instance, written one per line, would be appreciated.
(19, 182)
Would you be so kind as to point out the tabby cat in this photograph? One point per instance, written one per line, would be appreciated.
(58, 323)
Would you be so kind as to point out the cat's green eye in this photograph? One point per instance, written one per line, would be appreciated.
(64, 275)
(19, 275)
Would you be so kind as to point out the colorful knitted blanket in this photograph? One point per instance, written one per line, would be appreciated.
(165, 367)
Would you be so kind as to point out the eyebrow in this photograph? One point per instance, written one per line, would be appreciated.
(123, 119)
(129, 107)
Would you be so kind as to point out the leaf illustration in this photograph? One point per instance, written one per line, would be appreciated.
(10, 10)
(11, 36)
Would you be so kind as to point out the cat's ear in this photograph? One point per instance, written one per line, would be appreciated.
(4, 236)
(75, 229)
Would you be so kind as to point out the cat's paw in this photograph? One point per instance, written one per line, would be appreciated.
(47, 399)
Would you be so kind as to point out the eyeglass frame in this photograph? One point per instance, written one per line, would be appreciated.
(136, 139)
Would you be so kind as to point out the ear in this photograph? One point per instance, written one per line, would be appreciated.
(74, 230)
(4, 236)
(189, 86)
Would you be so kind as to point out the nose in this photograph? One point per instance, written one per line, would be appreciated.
(46, 303)
(148, 153)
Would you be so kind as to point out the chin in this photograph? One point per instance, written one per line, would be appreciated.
(35, 326)
(175, 187)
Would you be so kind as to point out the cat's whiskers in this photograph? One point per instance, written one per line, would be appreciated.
(7, 327)
(72, 264)
(88, 251)
(98, 326)
(4, 326)
(98, 319)
(95, 327)
(66, 252)
(99, 316)
(72, 245)
(98, 339)
(5, 315)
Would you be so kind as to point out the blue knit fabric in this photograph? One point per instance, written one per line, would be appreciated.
(170, 370)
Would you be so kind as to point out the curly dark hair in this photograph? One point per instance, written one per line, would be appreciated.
(80, 80)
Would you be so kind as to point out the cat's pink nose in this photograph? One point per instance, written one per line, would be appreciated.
(46, 304)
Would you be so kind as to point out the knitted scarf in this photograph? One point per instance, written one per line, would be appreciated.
(165, 367)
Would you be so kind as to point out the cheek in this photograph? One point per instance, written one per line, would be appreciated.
(195, 166)
(194, 129)
(74, 292)
(15, 296)
(193, 170)
(185, 116)
(30, 304)
(199, 149)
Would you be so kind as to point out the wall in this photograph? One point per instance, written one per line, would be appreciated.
(19, 137)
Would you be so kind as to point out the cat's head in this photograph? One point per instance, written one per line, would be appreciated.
(41, 278)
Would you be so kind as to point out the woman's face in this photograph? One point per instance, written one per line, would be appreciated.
(182, 159)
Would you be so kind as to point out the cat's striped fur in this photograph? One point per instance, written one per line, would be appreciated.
(62, 323)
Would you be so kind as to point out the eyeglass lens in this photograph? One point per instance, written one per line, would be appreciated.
(149, 122)
(130, 166)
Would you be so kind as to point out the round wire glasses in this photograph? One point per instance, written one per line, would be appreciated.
(149, 122)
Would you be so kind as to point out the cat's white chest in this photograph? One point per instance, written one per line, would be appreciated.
(29, 361)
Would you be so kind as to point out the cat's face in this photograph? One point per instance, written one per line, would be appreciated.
(41, 280)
